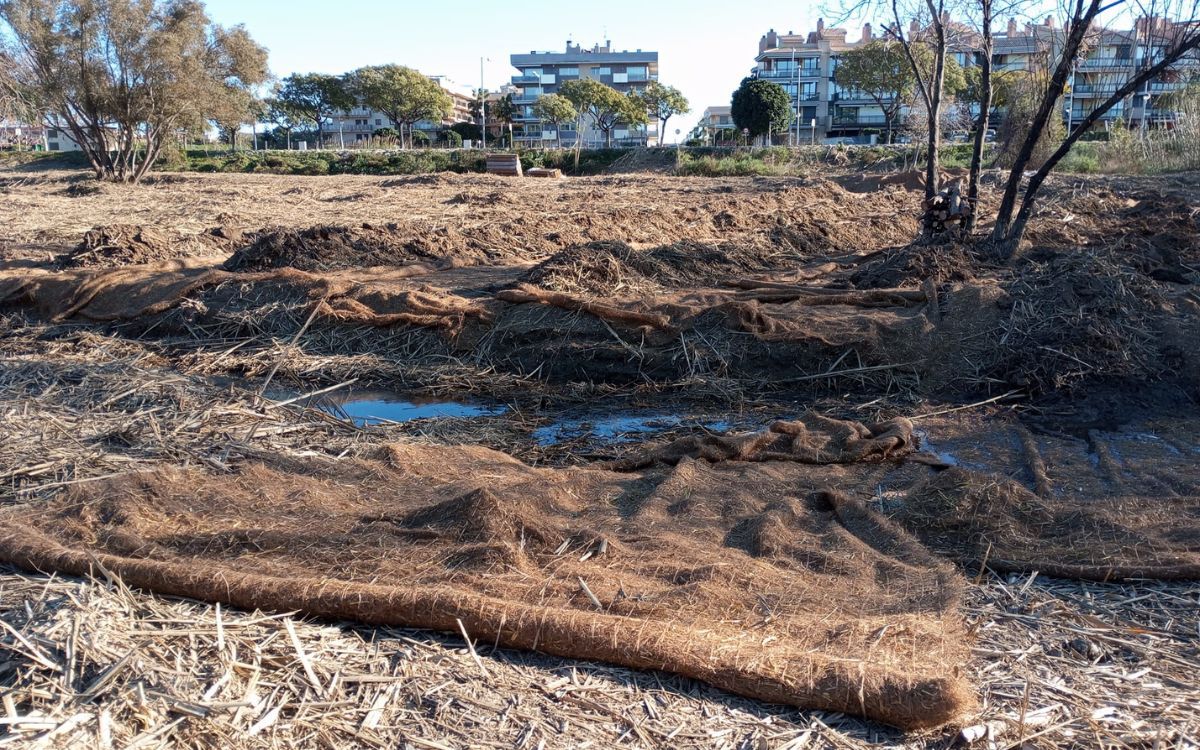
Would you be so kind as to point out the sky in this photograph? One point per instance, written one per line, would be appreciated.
(705, 47)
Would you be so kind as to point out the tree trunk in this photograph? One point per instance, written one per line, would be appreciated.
(1079, 26)
(985, 108)
(1014, 233)
(933, 163)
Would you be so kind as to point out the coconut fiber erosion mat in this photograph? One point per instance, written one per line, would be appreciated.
(750, 575)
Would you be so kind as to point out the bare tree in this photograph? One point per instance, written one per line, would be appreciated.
(123, 77)
(1167, 32)
(985, 109)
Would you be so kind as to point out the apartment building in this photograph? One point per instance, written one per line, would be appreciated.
(360, 123)
(543, 72)
(805, 65)
(715, 126)
(1115, 58)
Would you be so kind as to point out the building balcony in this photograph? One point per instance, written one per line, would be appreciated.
(1106, 62)
(525, 79)
(1113, 114)
(790, 75)
(1085, 89)
(858, 121)
(854, 97)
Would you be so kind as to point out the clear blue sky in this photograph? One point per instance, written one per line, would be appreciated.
(705, 46)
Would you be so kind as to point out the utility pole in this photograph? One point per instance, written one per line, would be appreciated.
(482, 109)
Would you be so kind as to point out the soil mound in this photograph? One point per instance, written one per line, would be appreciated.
(697, 569)
(122, 245)
(1073, 315)
(607, 268)
(327, 248)
(912, 264)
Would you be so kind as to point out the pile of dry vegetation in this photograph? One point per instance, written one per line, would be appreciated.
(613, 268)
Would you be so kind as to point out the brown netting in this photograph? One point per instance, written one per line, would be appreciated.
(370, 297)
(749, 576)
(524, 293)
(977, 517)
(812, 439)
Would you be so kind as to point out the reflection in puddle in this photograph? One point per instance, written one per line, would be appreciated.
(927, 446)
(365, 412)
(366, 408)
(618, 428)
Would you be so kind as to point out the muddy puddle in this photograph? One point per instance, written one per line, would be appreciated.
(366, 408)
(621, 427)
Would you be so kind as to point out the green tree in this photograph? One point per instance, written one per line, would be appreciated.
(1006, 85)
(286, 119)
(662, 103)
(606, 106)
(405, 95)
(467, 131)
(761, 107)
(125, 77)
(313, 98)
(555, 110)
(880, 70)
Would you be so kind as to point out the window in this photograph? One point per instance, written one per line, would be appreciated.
(603, 71)
(378, 121)
(807, 115)
(568, 72)
(808, 90)
(636, 73)
(54, 146)
(1124, 52)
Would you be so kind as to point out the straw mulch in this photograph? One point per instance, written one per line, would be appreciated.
(91, 663)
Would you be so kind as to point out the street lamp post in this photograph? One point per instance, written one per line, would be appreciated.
(482, 109)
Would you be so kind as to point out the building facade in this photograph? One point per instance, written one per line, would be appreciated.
(543, 72)
(358, 125)
(1115, 58)
(715, 126)
(805, 65)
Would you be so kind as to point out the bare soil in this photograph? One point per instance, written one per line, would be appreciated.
(1054, 400)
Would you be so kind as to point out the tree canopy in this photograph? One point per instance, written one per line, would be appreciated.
(606, 106)
(663, 103)
(312, 98)
(880, 70)
(761, 107)
(122, 77)
(555, 109)
(405, 95)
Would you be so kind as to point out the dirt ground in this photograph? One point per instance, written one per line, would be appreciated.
(211, 324)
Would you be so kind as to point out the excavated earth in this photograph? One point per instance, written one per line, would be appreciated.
(743, 430)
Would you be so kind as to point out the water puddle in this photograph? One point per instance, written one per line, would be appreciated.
(368, 408)
(927, 446)
(618, 428)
